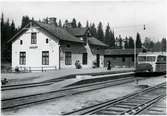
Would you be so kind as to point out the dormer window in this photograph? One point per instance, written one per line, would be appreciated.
(33, 38)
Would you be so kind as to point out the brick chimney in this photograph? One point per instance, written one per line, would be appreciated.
(52, 20)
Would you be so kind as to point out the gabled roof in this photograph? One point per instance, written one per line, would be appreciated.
(77, 31)
(61, 33)
(94, 41)
(57, 32)
(121, 51)
(20, 32)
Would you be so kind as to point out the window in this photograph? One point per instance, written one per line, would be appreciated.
(114, 58)
(151, 58)
(68, 60)
(161, 59)
(33, 38)
(133, 59)
(22, 58)
(84, 58)
(45, 57)
(142, 58)
(47, 40)
(123, 59)
(68, 45)
(21, 42)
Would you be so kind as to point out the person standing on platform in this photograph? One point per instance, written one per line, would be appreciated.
(108, 65)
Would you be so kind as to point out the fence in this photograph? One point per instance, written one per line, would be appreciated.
(28, 69)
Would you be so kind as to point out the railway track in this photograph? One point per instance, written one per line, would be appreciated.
(131, 104)
(24, 101)
(21, 86)
(158, 108)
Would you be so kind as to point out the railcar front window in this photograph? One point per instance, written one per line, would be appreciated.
(161, 59)
(142, 58)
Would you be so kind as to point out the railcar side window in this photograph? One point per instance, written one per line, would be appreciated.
(150, 58)
(142, 58)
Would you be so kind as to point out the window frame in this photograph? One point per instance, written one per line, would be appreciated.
(22, 58)
(68, 58)
(123, 59)
(85, 58)
(33, 38)
(45, 57)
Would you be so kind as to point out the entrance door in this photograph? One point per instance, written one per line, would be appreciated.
(98, 60)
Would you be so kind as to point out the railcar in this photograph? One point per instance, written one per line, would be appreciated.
(151, 62)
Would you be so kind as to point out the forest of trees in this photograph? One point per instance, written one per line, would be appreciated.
(106, 35)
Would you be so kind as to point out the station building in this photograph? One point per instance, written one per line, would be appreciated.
(43, 46)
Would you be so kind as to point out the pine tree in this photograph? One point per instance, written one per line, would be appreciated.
(112, 39)
(157, 47)
(163, 44)
(13, 28)
(2, 29)
(7, 31)
(87, 24)
(60, 23)
(100, 33)
(131, 42)
(74, 23)
(126, 42)
(108, 35)
(25, 21)
(149, 44)
(79, 25)
(65, 23)
(138, 41)
(93, 30)
(120, 42)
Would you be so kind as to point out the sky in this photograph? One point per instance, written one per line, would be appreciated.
(125, 17)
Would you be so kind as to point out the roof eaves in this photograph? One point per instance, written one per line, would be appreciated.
(18, 33)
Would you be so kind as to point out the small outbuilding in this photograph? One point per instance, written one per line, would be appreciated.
(120, 57)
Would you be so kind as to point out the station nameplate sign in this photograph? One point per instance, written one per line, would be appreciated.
(33, 47)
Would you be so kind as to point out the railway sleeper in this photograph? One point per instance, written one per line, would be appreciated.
(108, 112)
(123, 106)
(156, 110)
(117, 108)
(129, 103)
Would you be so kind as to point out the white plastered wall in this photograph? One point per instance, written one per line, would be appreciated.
(34, 51)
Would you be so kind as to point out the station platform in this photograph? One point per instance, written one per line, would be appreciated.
(37, 77)
(79, 77)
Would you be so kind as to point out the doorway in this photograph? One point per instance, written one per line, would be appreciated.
(98, 60)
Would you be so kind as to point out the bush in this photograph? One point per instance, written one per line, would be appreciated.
(78, 65)
(17, 69)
